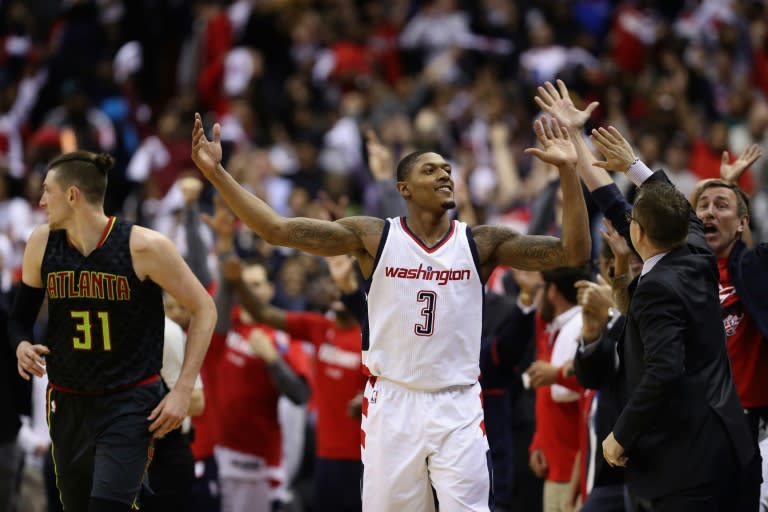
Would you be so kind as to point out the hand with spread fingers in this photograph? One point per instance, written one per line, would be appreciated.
(380, 160)
(619, 248)
(615, 149)
(556, 146)
(222, 223)
(732, 172)
(342, 269)
(206, 153)
(557, 103)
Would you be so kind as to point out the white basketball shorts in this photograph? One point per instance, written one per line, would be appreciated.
(416, 441)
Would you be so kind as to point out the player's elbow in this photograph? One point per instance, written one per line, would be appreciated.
(273, 231)
(577, 261)
(205, 312)
(578, 255)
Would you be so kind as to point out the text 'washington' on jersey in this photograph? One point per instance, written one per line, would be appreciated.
(88, 285)
(428, 274)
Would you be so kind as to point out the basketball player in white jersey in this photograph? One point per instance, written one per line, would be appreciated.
(422, 418)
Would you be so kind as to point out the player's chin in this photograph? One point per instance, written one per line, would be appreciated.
(449, 204)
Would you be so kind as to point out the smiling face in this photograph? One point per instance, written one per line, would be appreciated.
(429, 185)
(54, 201)
(718, 209)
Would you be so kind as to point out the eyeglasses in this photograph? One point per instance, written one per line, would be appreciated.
(628, 216)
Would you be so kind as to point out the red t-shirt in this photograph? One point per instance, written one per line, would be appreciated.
(243, 392)
(746, 348)
(338, 378)
(557, 423)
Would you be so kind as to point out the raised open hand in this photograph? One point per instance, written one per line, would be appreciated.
(380, 160)
(556, 146)
(191, 187)
(615, 149)
(342, 270)
(732, 172)
(615, 241)
(558, 104)
(206, 154)
(222, 222)
(231, 269)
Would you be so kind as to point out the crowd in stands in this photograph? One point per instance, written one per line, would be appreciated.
(317, 102)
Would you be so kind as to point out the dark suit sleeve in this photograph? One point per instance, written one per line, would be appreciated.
(595, 364)
(661, 325)
(614, 206)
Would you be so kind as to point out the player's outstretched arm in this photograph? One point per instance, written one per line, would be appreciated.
(503, 246)
(314, 236)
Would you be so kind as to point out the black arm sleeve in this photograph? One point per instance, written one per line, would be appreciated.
(24, 310)
(288, 382)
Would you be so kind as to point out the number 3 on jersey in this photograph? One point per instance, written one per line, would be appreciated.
(84, 325)
(427, 327)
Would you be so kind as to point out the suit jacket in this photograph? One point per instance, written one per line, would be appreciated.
(596, 368)
(682, 421)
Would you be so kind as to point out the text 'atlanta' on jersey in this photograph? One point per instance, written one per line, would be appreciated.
(424, 309)
(105, 327)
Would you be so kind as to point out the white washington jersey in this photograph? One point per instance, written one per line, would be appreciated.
(425, 308)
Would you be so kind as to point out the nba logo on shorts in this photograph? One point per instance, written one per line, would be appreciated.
(374, 395)
(53, 406)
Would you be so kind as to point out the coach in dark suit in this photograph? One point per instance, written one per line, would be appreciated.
(681, 434)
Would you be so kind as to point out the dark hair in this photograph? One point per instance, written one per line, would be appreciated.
(84, 170)
(742, 199)
(405, 165)
(564, 279)
(663, 213)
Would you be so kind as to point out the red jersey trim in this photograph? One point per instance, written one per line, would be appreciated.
(104, 235)
(421, 244)
(107, 230)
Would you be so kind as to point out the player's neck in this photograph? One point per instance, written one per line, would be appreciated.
(86, 230)
(428, 226)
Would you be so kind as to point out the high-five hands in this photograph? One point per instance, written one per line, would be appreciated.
(615, 149)
(559, 105)
(556, 146)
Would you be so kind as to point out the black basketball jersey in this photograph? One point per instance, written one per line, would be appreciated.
(105, 326)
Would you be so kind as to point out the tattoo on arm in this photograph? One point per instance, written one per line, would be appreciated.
(546, 252)
(326, 238)
(499, 245)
